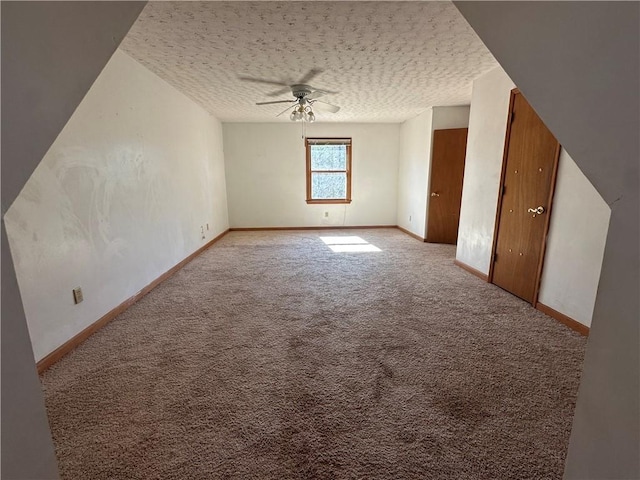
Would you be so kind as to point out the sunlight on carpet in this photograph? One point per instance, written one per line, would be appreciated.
(349, 244)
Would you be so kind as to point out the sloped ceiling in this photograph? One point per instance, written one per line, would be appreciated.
(389, 61)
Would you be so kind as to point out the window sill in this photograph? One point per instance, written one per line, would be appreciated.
(328, 201)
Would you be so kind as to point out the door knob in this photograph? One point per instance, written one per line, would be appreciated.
(434, 194)
(536, 211)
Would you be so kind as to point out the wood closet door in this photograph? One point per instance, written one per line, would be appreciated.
(528, 179)
(447, 171)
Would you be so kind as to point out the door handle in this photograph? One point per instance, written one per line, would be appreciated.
(434, 194)
(536, 211)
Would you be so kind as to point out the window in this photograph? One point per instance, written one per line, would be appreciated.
(328, 170)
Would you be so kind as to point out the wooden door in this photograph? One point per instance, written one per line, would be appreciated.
(447, 171)
(528, 179)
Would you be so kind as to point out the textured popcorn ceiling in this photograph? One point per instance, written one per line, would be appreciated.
(389, 61)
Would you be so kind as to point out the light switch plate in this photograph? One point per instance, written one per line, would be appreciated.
(77, 295)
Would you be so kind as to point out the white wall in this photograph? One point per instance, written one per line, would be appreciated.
(413, 172)
(575, 245)
(450, 117)
(579, 217)
(266, 175)
(118, 199)
(414, 163)
(483, 164)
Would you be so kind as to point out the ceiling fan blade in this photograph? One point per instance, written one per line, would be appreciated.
(286, 109)
(316, 94)
(275, 101)
(311, 74)
(277, 93)
(262, 80)
(323, 90)
(326, 106)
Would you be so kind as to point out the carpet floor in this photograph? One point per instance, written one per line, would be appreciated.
(272, 356)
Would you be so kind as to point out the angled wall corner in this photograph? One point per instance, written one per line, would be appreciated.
(413, 172)
(577, 63)
(414, 163)
(51, 54)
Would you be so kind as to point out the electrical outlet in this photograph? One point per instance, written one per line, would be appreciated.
(77, 295)
(326, 214)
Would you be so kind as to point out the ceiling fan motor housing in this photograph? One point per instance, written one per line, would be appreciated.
(300, 91)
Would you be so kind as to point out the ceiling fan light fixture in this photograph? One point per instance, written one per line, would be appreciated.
(304, 113)
(305, 96)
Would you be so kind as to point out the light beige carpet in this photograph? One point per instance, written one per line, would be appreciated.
(272, 357)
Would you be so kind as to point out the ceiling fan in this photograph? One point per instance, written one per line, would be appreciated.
(305, 96)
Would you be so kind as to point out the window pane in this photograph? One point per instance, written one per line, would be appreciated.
(328, 185)
(328, 157)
